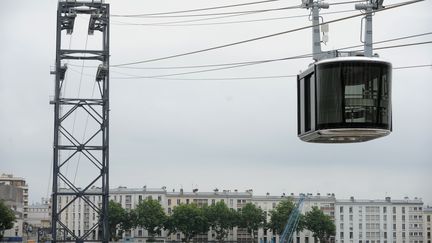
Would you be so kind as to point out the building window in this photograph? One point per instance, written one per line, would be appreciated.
(187, 201)
(178, 201)
(351, 235)
(341, 217)
(384, 209)
(169, 202)
(403, 209)
(341, 235)
(403, 217)
(159, 198)
(350, 209)
(394, 209)
(341, 209)
(394, 226)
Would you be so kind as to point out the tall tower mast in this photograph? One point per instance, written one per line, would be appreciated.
(93, 195)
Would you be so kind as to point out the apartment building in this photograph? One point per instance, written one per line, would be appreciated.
(427, 224)
(14, 192)
(357, 221)
(20, 183)
(379, 221)
(267, 203)
(39, 214)
(233, 199)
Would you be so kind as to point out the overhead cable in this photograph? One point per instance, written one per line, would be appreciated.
(264, 37)
(212, 14)
(194, 10)
(180, 23)
(414, 66)
(258, 61)
(273, 77)
(252, 63)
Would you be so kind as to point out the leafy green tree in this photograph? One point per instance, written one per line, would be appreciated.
(221, 219)
(151, 216)
(251, 218)
(321, 225)
(119, 220)
(188, 219)
(7, 218)
(279, 216)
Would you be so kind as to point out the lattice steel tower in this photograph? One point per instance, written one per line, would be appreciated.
(91, 195)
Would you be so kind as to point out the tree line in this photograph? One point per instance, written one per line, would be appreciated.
(192, 220)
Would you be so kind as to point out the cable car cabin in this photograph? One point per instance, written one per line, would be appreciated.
(344, 100)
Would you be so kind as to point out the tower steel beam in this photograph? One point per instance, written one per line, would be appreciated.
(95, 148)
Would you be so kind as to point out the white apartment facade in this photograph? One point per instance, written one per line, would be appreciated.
(267, 203)
(427, 224)
(15, 190)
(357, 221)
(39, 214)
(379, 221)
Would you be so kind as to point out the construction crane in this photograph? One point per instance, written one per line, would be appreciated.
(292, 223)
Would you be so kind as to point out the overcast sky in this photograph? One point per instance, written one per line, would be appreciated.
(226, 134)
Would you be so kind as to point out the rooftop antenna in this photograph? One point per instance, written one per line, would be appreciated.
(369, 8)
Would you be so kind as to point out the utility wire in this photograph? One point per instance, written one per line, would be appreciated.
(414, 66)
(264, 37)
(179, 23)
(273, 77)
(213, 14)
(169, 14)
(254, 63)
(194, 10)
(75, 113)
(236, 63)
(183, 21)
(347, 2)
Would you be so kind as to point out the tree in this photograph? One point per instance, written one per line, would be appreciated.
(221, 219)
(119, 220)
(188, 219)
(321, 225)
(279, 216)
(251, 218)
(7, 218)
(151, 216)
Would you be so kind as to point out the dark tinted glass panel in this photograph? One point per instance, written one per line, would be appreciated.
(354, 94)
(307, 103)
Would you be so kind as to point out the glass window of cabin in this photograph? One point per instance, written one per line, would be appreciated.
(353, 92)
